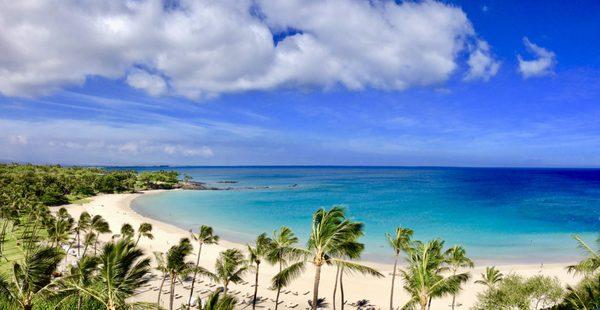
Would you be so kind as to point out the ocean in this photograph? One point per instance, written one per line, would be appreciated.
(500, 215)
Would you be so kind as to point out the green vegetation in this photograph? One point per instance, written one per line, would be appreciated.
(34, 241)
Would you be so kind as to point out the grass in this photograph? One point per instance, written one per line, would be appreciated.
(77, 199)
(11, 252)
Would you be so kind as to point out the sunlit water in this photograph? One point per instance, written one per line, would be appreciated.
(499, 215)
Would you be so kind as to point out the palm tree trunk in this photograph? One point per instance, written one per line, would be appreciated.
(342, 287)
(160, 291)
(78, 244)
(453, 300)
(137, 240)
(195, 273)
(278, 290)
(79, 298)
(429, 303)
(172, 292)
(96, 243)
(335, 286)
(316, 286)
(256, 286)
(423, 304)
(393, 281)
(225, 287)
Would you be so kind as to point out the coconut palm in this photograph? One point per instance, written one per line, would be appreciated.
(59, 228)
(456, 258)
(90, 239)
(255, 256)
(205, 236)
(176, 264)
(349, 250)
(330, 232)
(32, 277)
(229, 268)
(399, 242)
(145, 230)
(127, 231)
(216, 301)
(591, 263)
(423, 277)
(83, 224)
(81, 276)
(491, 277)
(282, 251)
(98, 225)
(122, 269)
(161, 265)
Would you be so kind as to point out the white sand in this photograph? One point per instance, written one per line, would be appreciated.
(115, 208)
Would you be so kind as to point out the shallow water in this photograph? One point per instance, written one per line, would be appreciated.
(499, 215)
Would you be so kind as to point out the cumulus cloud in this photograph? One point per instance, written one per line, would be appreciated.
(543, 64)
(482, 64)
(153, 84)
(204, 48)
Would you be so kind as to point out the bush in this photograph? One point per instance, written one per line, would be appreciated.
(516, 292)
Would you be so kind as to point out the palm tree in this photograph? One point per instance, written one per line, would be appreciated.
(216, 301)
(330, 232)
(161, 265)
(319, 304)
(457, 258)
(81, 276)
(423, 276)
(491, 277)
(122, 269)
(83, 224)
(282, 251)
(31, 278)
(145, 230)
(255, 256)
(205, 236)
(98, 226)
(351, 249)
(89, 239)
(127, 231)
(59, 228)
(591, 263)
(230, 268)
(399, 243)
(177, 266)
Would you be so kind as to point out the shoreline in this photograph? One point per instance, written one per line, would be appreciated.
(116, 209)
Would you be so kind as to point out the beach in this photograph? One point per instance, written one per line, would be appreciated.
(115, 208)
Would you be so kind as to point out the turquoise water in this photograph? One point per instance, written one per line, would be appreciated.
(499, 215)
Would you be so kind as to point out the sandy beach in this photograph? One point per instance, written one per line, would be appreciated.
(115, 208)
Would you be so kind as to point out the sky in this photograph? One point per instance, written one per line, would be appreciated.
(300, 82)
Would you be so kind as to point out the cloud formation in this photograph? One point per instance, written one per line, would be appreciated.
(199, 49)
(542, 65)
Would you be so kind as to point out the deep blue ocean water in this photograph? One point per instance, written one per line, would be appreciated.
(498, 214)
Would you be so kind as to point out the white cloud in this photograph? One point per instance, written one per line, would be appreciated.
(153, 84)
(482, 64)
(205, 48)
(542, 65)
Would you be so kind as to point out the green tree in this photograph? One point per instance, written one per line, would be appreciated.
(81, 277)
(424, 275)
(122, 269)
(218, 301)
(491, 277)
(399, 242)
(255, 256)
(205, 236)
(83, 224)
(456, 257)
(591, 263)
(282, 251)
(98, 226)
(145, 230)
(127, 231)
(230, 268)
(330, 231)
(31, 278)
(177, 265)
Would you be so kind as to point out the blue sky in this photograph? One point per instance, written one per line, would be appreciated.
(458, 83)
